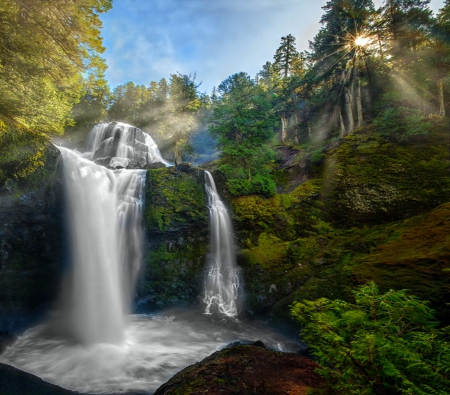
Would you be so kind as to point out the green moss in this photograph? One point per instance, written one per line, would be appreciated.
(174, 199)
(378, 180)
(286, 215)
(173, 273)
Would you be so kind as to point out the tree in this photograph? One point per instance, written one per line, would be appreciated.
(380, 344)
(242, 121)
(45, 46)
(339, 51)
(286, 55)
(441, 53)
(406, 24)
(95, 97)
(185, 103)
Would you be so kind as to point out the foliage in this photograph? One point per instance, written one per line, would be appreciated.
(21, 150)
(286, 57)
(380, 344)
(171, 111)
(45, 46)
(242, 121)
(398, 120)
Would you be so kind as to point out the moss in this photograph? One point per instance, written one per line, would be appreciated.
(173, 273)
(174, 199)
(416, 258)
(377, 180)
(286, 215)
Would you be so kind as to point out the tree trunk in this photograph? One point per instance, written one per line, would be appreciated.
(309, 130)
(349, 111)
(342, 132)
(440, 86)
(284, 125)
(359, 109)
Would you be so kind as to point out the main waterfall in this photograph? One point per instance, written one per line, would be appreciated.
(222, 279)
(97, 292)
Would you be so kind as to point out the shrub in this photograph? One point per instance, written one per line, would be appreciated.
(382, 344)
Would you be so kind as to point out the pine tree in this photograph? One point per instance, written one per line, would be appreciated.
(286, 55)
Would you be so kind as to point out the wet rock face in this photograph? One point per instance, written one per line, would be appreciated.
(31, 243)
(176, 220)
(245, 370)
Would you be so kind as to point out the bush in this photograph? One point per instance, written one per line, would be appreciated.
(240, 183)
(382, 344)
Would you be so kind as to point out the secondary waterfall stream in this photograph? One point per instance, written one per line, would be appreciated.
(92, 343)
(222, 280)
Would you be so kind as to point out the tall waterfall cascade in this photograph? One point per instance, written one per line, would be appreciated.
(222, 278)
(98, 289)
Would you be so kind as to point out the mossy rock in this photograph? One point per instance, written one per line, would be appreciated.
(245, 369)
(175, 200)
(174, 273)
(369, 179)
(287, 216)
(176, 218)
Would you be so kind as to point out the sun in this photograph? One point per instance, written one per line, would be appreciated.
(361, 41)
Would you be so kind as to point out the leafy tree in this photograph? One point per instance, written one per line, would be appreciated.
(440, 56)
(381, 344)
(45, 46)
(242, 121)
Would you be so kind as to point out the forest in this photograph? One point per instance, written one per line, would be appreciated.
(334, 163)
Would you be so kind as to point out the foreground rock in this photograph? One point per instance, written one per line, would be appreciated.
(245, 370)
(16, 382)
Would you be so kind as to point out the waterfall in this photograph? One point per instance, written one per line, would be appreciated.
(104, 223)
(118, 145)
(104, 213)
(222, 278)
(115, 352)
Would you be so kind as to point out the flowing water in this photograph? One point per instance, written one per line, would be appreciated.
(91, 343)
(222, 279)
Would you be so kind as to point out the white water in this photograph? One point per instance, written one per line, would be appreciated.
(122, 145)
(155, 348)
(104, 211)
(222, 279)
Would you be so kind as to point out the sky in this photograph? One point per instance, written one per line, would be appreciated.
(147, 40)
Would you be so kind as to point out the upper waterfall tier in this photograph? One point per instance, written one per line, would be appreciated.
(118, 145)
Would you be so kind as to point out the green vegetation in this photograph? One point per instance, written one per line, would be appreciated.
(380, 344)
(242, 121)
(174, 200)
(45, 46)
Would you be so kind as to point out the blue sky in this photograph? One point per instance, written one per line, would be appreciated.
(147, 40)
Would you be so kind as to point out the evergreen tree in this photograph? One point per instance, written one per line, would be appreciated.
(242, 121)
(286, 55)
